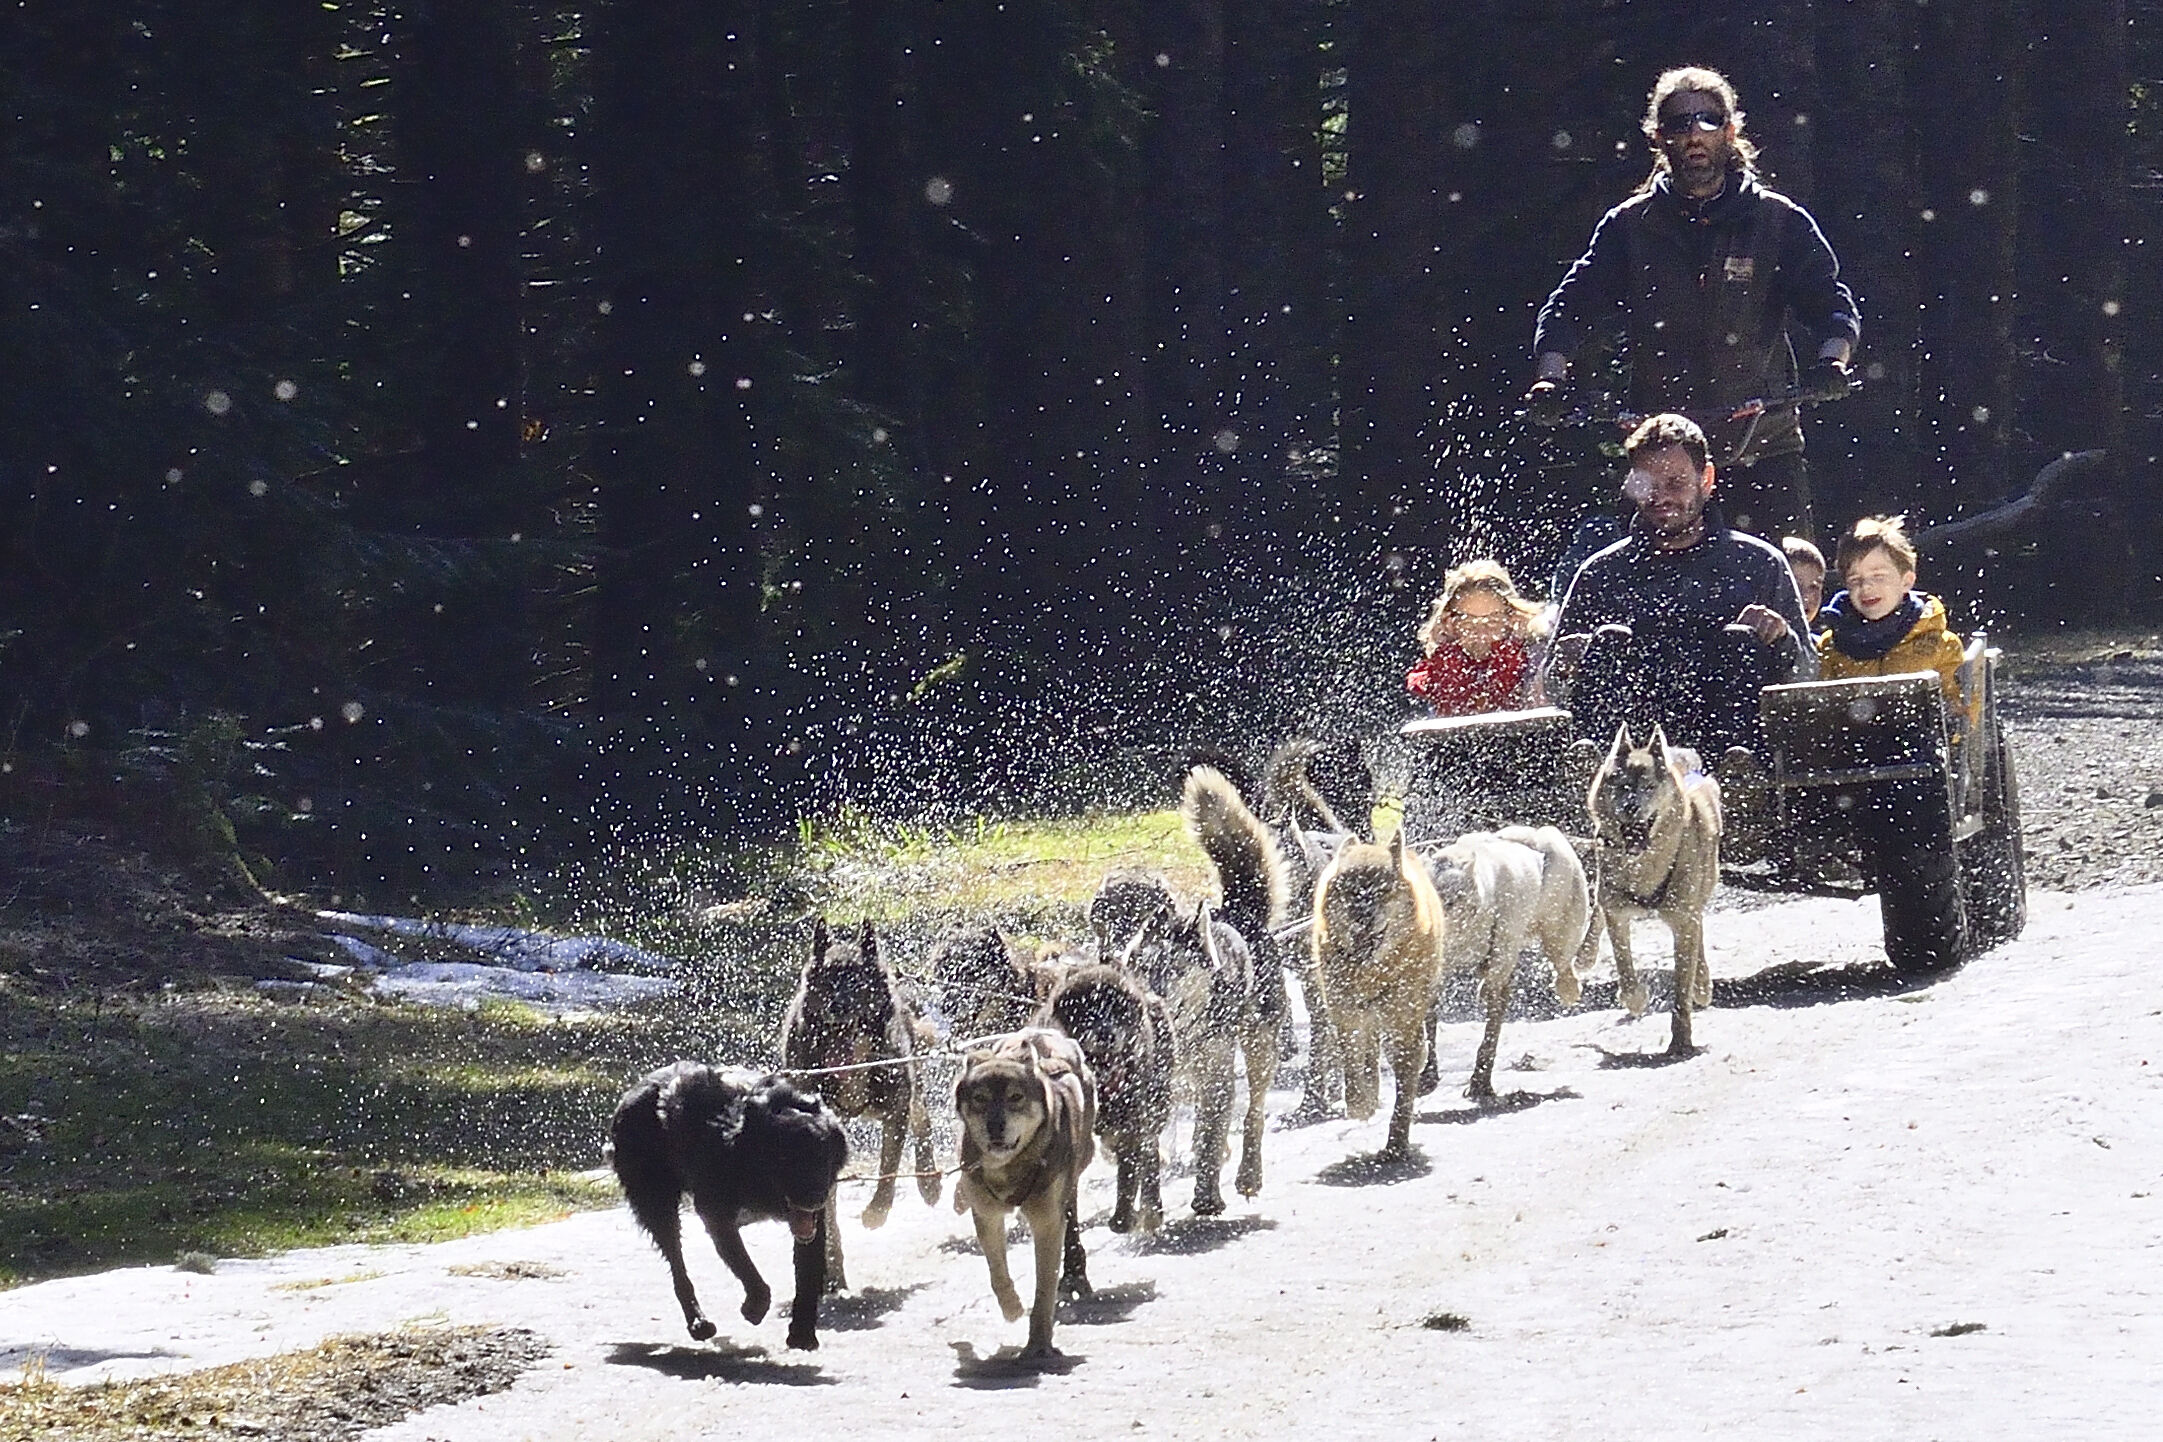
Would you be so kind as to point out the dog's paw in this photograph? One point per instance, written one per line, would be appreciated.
(930, 1188)
(1568, 990)
(1701, 989)
(875, 1215)
(1121, 1220)
(1074, 1286)
(756, 1305)
(1635, 999)
(701, 1329)
(1010, 1307)
(1208, 1202)
(1040, 1351)
(1249, 1180)
(804, 1339)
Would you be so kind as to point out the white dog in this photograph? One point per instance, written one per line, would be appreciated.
(1500, 890)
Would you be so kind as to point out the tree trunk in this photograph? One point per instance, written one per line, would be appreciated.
(679, 590)
(1390, 367)
(1965, 74)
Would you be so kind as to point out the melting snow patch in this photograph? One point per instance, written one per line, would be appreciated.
(465, 983)
(511, 946)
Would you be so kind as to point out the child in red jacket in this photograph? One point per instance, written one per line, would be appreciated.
(1478, 641)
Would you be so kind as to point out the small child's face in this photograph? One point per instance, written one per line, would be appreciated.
(1478, 614)
(1810, 580)
(1877, 584)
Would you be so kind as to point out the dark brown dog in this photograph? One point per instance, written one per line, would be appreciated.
(981, 986)
(744, 1147)
(848, 1012)
(1126, 1034)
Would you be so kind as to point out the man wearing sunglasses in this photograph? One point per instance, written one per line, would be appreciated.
(1703, 276)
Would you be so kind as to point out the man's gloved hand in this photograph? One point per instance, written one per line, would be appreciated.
(1549, 401)
(1826, 379)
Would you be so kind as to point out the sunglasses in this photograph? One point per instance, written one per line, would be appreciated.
(1685, 121)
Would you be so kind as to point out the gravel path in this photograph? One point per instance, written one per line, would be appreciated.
(2087, 731)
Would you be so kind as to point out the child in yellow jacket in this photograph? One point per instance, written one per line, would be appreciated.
(1881, 625)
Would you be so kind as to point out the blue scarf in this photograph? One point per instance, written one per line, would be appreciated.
(1864, 640)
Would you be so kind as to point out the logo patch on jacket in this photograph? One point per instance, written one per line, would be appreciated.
(1741, 267)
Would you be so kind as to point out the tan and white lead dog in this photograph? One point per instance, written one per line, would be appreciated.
(1028, 1106)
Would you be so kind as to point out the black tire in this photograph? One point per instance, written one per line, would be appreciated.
(1993, 868)
(1907, 833)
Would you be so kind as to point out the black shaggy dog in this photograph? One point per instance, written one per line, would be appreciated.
(744, 1147)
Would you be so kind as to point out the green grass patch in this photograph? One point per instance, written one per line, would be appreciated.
(213, 1121)
(139, 1122)
(1029, 869)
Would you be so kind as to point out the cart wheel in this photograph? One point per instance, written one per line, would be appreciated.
(1993, 870)
(1907, 831)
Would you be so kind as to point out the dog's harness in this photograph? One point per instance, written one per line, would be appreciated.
(1652, 902)
(1026, 1185)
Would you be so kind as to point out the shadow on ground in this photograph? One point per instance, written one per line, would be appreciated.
(1375, 1170)
(1501, 1105)
(1007, 1368)
(860, 1311)
(724, 1362)
(1107, 1305)
(1191, 1236)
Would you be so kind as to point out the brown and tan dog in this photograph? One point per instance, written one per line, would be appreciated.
(1126, 1034)
(1378, 934)
(1027, 1103)
(847, 1012)
(1657, 819)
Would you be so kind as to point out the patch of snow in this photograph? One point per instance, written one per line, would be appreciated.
(466, 983)
(512, 946)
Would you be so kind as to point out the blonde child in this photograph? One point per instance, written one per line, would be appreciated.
(1881, 625)
(1477, 645)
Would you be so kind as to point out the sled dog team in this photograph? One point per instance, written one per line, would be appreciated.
(1064, 1053)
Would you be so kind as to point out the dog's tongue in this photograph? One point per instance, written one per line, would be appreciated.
(804, 1224)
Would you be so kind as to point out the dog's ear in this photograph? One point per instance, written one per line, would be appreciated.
(819, 939)
(1658, 744)
(1623, 744)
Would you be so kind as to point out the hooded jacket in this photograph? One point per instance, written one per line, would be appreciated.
(1701, 296)
(1927, 646)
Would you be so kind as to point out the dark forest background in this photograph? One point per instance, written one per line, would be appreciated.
(438, 435)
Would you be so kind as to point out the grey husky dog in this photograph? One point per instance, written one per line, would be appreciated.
(1657, 819)
(1222, 1005)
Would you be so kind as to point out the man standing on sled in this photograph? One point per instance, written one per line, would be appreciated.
(1702, 275)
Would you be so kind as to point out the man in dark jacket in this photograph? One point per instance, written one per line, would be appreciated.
(1679, 623)
(1702, 276)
